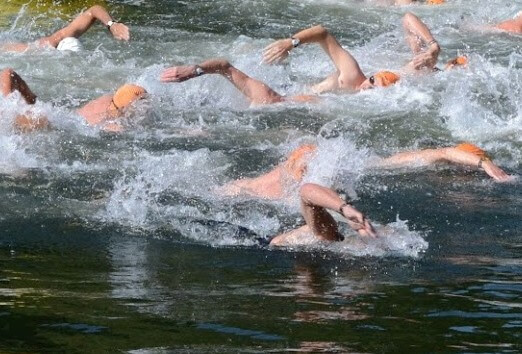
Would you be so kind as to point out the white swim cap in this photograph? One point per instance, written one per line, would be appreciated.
(70, 43)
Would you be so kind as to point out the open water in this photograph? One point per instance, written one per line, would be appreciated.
(112, 243)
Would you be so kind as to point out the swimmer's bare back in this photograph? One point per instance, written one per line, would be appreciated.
(95, 111)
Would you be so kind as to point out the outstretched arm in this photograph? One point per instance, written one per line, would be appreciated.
(514, 25)
(83, 22)
(256, 91)
(450, 155)
(10, 81)
(418, 36)
(349, 74)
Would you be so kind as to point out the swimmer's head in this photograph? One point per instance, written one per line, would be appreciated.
(435, 2)
(473, 149)
(297, 162)
(70, 43)
(460, 61)
(124, 97)
(380, 79)
(27, 123)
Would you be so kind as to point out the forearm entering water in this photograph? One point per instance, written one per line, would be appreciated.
(10, 81)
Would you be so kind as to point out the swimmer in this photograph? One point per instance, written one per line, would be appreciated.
(67, 37)
(348, 75)
(10, 82)
(424, 47)
(316, 200)
(104, 111)
(513, 26)
(347, 78)
(277, 183)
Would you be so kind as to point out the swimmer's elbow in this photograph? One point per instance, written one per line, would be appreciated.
(96, 9)
(322, 32)
(407, 18)
(306, 190)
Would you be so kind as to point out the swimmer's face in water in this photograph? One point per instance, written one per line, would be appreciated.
(124, 97)
(380, 79)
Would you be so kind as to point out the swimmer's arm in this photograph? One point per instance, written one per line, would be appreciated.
(350, 74)
(14, 47)
(315, 197)
(279, 50)
(449, 155)
(457, 156)
(256, 91)
(417, 36)
(83, 22)
(10, 81)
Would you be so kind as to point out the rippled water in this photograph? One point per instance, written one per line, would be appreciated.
(118, 241)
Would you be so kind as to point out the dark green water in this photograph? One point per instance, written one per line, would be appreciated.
(117, 243)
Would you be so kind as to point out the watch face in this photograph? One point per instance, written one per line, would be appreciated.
(295, 42)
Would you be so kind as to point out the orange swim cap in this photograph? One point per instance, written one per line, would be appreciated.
(28, 124)
(461, 60)
(474, 149)
(297, 162)
(387, 78)
(434, 2)
(126, 95)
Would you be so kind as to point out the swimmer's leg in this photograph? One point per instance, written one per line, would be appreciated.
(10, 81)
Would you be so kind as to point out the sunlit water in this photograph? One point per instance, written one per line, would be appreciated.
(122, 237)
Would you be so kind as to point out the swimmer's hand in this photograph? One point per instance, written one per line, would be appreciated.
(428, 58)
(179, 73)
(358, 221)
(113, 127)
(120, 31)
(496, 172)
(277, 51)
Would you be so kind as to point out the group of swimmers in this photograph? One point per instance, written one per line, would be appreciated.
(316, 201)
